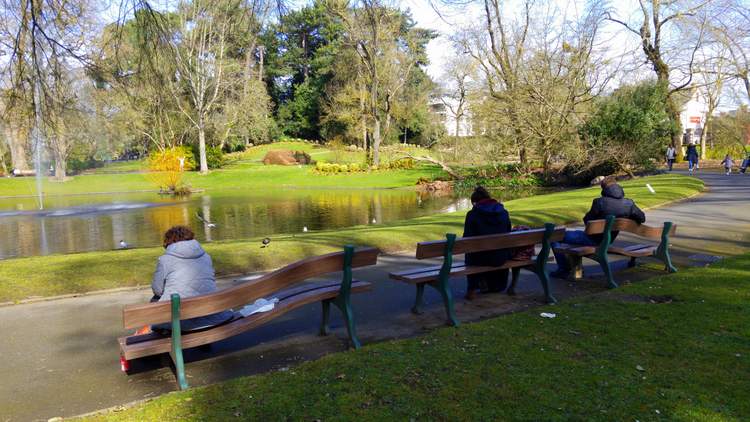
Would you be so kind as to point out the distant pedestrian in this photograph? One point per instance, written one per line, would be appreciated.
(692, 157)
(745, 164)
(728, 163)
(671, 154)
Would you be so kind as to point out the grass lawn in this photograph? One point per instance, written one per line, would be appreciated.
(77, 273)
(244, 171)
(615, 356)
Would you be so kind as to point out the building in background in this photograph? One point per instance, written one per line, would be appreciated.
(693, 110)
(454, 113)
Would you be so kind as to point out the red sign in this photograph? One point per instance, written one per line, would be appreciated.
(695, 119)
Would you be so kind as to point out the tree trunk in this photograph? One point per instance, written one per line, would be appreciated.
(61, 168)
(15, 137)
(363, 118)
(376, 120)
(202, 146)
(376, 141)
(674, 116)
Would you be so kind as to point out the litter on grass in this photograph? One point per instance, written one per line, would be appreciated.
(547, 315)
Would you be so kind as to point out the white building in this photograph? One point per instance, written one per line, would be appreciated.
(455, 115)
(693, 111)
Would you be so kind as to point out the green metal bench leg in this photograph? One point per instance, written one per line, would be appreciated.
(668, 263)
(343, 300)
(346, 309)
(418, 301)
(604, 263)
(179, 363)
(443, 287)
(662, 252)
(326, 316)
(540, 268)
(515, 273)
(603, 249)
(544, 279)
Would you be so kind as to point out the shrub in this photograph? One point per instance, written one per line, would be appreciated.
(214, 156)
(168, 167)
(630, 128)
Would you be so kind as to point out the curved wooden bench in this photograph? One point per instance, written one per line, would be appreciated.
(599, 253)
(277, 283)
(439, 276)
(659, 251)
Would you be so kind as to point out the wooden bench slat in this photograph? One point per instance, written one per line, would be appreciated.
(456, 270)
(633, 251)
(193, 339)
(576, 249)
(135, 316)
(463, 245)
(630, 226)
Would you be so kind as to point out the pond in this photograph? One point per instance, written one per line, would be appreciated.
(81, 223)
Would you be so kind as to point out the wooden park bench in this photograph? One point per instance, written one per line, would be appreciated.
(599, 253)
(439, 276)
(283, 284)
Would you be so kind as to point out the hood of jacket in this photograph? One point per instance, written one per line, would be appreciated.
(613, 191)
(489, 206)
(186, 249)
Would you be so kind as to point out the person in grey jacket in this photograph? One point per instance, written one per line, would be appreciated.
(185, 269)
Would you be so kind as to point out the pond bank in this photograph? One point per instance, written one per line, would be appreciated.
(76, 273)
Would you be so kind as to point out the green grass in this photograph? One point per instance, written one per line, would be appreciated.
(614, 356)
(244, 171)
(77, 273)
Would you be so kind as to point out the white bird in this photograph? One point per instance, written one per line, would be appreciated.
(123, 244)
(208, 223)
(304, 229)
(374, 221)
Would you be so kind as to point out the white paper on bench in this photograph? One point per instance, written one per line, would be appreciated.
(260, 305)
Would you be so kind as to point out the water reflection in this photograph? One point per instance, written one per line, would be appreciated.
(100, 222)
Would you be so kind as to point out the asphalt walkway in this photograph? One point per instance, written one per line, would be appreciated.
(60, 358)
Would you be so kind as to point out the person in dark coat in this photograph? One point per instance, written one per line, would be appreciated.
(612, 202)
(692, 157)
(487, 216)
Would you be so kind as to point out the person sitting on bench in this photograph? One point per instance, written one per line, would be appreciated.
(486, 217)
(612, 202)
(185, 269)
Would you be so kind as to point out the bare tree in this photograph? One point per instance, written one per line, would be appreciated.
(540, 68)
(732, 32)
(458, 75)
(663, 44)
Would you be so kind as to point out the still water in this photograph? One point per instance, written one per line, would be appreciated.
(82, 223)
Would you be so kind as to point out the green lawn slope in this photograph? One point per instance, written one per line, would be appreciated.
(673, 348)
(24, 278)
(243, 171)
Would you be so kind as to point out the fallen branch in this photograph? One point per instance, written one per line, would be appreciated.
(442, 165)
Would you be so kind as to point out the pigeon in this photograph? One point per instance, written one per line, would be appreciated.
(304, 229)
(123, 244)
(208, 223)
(266, 241)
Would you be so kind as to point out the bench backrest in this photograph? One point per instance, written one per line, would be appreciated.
(490, 242)
(245, 293)
(630, 226)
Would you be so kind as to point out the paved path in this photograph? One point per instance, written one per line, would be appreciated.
(60, 358)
